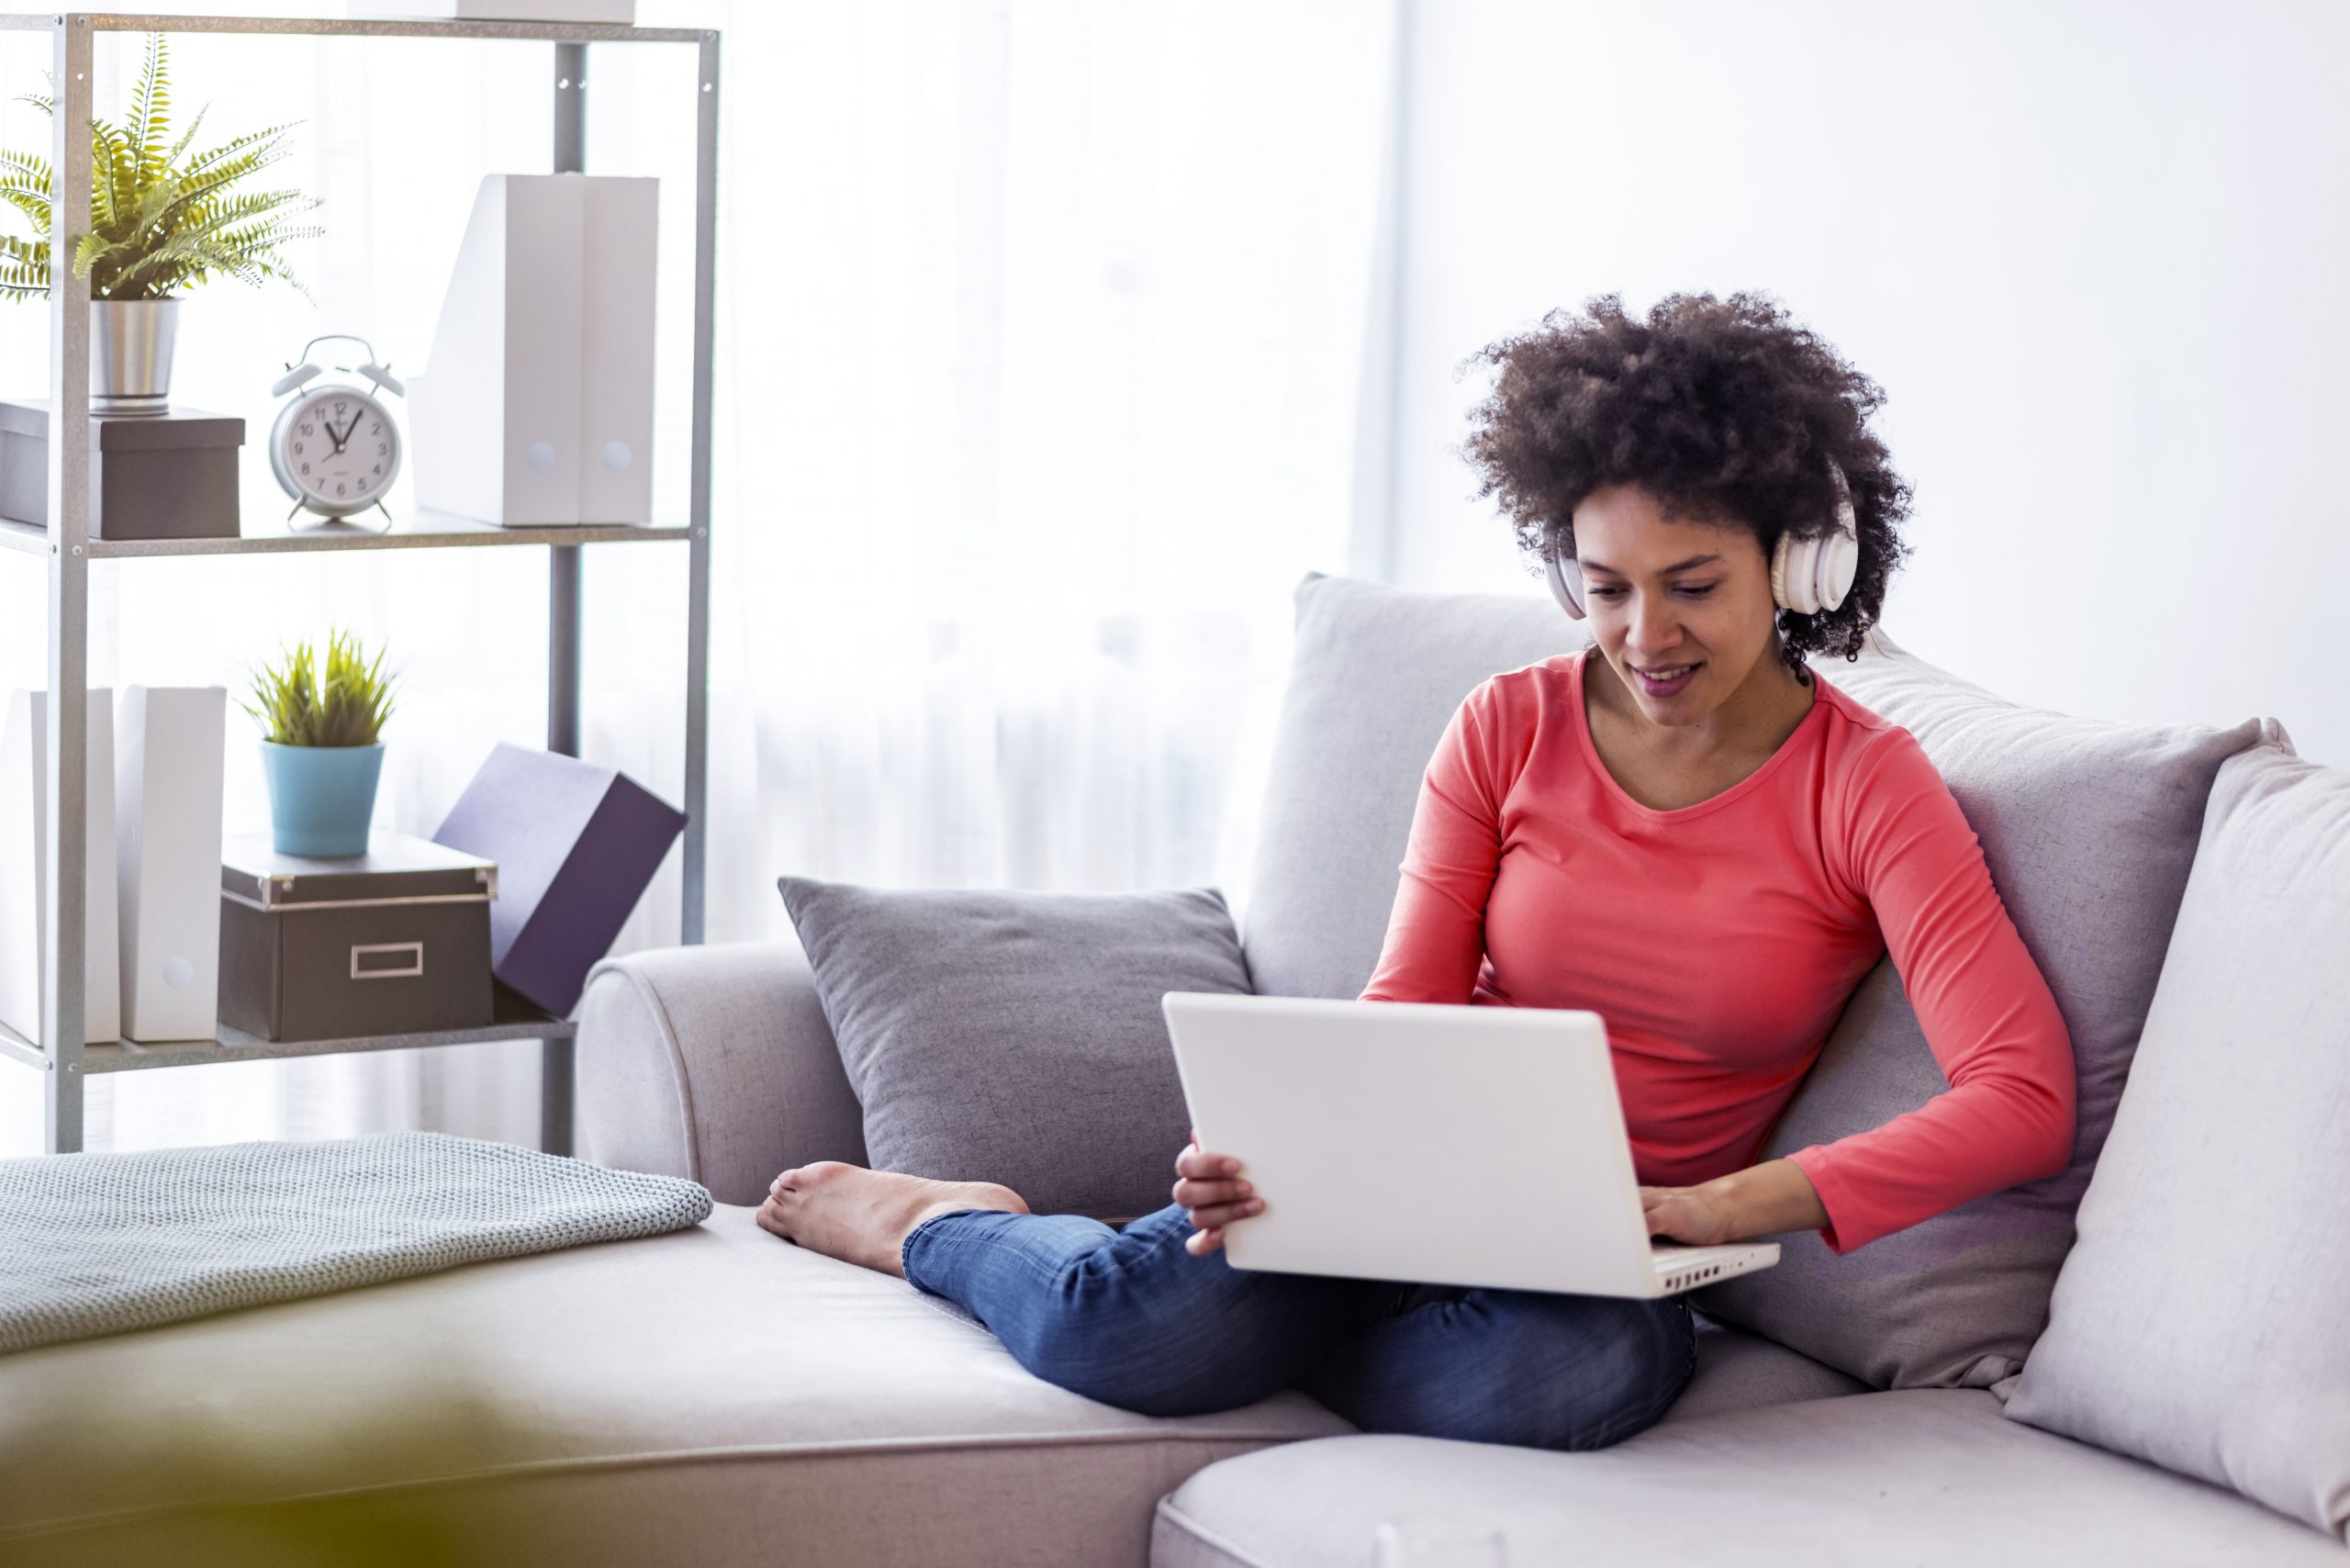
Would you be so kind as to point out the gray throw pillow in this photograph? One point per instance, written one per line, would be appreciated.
(1375, 675)
(2200, 1320)
(2090, 829)
(1016, 1036)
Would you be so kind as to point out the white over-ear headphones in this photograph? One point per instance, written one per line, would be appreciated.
(1808, 574)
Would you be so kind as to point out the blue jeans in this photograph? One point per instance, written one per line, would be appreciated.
(1130, 1318)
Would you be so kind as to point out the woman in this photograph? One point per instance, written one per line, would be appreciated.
(1684, 829)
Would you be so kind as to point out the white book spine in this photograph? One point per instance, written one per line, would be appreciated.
(617, 254)
(536, 406)
(24, 869)
(168, 756)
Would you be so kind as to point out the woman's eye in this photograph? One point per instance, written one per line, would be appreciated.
(1700, 592)
(1692, 592)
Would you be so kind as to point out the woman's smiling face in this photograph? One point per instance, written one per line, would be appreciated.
(1688, 601)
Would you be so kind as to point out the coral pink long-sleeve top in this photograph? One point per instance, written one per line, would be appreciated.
(1721, 941)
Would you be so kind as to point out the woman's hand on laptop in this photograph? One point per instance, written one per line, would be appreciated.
(1210, 1185)
(1689, 1214)
(1762, 1200)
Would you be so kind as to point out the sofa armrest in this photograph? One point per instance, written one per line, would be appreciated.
(714, 1064)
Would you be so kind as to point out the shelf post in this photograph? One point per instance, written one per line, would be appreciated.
(557, 1074)
(64, 848)
(563, 564)
(697, 852)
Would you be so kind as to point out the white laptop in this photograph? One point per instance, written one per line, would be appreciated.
(1458, 1146)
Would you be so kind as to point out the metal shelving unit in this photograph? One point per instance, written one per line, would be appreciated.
(67, 1062)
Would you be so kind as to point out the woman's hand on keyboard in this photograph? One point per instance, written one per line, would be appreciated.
(1762, 1200)
(1211, 1186)
(1688, 1214)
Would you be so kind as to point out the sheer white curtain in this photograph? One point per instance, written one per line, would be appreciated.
(1041, 332)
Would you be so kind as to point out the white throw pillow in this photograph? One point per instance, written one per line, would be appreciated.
(2202, 1320)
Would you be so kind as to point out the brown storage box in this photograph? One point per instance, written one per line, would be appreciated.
(393, 942)
(160, 476)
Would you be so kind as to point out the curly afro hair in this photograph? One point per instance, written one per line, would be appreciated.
(1724, 410)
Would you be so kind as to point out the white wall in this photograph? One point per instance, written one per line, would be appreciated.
(2094, 251)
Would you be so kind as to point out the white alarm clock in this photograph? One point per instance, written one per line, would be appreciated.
(335, 448)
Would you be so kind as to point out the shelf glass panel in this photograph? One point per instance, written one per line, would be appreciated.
(515, 1020)
(363, 26)
(15, 535)
(423, 530)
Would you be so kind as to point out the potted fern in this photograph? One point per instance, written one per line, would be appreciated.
(323, 754)
(162, 220)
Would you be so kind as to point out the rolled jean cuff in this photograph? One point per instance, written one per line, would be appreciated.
(920, 1241)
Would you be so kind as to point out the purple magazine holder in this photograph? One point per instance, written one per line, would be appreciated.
(575, 846)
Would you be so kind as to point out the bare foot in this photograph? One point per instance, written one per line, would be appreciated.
(864, 1216)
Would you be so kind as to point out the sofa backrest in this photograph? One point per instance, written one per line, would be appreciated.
(2088, 829)
(1375, 675)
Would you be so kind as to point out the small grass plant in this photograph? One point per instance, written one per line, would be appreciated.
(341, 700)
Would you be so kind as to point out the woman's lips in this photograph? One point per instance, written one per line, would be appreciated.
(1668, 684)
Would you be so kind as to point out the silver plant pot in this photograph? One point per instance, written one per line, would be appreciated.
(130, 356)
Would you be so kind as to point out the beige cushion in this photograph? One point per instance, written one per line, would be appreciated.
(2203, 1321)
(1924, 1478)
(709, 1397)
(2088, 829)
(1003, 1035)
(1374, 676)
(1737, 1371)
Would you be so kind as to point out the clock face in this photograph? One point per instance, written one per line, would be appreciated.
(335, 449)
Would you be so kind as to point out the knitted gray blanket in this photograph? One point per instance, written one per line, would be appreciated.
(94, 1244)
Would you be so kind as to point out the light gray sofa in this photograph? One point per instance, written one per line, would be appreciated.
(718, 1064)
(715, 1397)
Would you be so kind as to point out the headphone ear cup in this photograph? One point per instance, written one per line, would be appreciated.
(1787, 568)
(1808, 576)
(1840, 562)
(1566, 584)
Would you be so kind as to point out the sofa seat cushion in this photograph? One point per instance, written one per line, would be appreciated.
(708, 1397)
(1927, 1478)
(1737, 1371)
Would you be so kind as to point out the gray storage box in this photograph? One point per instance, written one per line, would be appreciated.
(392, 942)
(162, 476)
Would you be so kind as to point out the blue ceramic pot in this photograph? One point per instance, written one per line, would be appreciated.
(320, 796)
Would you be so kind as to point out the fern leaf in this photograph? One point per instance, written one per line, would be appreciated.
(216, 217)
(230, 149)
(111, 175)
(24, 267)
(31, 202)
(185, 137)
(30, 167)
(197, 253)
(151, 105)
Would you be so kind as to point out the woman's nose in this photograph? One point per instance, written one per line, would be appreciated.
(1653, 626)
